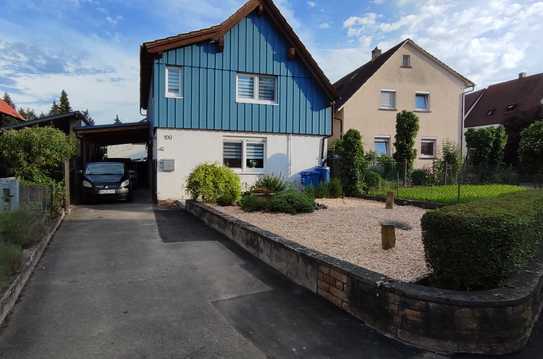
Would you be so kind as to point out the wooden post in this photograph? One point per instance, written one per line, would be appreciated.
(390, 200)
(388, 236)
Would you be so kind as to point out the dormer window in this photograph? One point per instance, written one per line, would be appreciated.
(511, 107)
(406, 61)
(491, 112)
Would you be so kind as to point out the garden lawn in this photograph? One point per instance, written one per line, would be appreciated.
(449, 194)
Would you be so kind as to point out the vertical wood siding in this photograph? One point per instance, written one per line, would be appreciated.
(209, 86)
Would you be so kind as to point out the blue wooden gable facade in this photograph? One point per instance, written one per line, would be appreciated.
(208, 91)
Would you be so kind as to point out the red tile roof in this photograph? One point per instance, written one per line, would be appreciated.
(497, 103)
(8, 110)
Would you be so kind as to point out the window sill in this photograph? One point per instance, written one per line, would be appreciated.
(256, 102)
(427, 157)
(387, 109)
(174, 97)
(422, 111)
(406, 67)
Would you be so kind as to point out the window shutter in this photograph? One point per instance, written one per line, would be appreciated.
(255, 151)
(232, 150)
(246, 86)
(174, 81)
(266, 88)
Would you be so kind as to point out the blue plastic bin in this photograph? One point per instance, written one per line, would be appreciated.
(324, 174)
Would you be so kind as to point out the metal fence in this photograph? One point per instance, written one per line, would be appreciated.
(447, 183)
(15, 195)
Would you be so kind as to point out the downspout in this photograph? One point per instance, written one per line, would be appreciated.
(325, 138)
(464, 93)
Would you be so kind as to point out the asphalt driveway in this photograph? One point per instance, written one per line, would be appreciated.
(126, 281)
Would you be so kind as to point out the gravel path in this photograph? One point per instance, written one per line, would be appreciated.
(350, 229)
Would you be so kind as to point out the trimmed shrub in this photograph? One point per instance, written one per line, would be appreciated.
(351, 162)
(10, 261)
(531, 148)
(269, 184)
(407, 127)
(252, 203)
(292, 202)
(421, 177)
(478, 245)
(212, 183)
(373, 180)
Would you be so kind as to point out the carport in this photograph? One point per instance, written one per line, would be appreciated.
(94, 138)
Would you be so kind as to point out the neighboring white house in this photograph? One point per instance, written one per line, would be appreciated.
(133, 151)
(245, 93)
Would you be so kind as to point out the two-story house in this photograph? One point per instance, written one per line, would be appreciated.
(406, 77)
(245, 93)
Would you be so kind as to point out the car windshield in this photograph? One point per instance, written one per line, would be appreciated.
(105, 168)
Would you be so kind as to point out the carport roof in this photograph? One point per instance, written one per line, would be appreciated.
(115, 134)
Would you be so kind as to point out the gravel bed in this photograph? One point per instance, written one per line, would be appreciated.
(350, 229)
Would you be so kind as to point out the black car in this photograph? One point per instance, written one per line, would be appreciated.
(107, 179)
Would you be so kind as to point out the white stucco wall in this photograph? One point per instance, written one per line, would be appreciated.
(285, 156)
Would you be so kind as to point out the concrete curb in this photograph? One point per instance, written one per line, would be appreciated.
(10, 296)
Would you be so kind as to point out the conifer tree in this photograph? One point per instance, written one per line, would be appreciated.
(8, 100)
(64, 103)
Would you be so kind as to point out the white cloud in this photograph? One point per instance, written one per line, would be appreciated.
(311, 4)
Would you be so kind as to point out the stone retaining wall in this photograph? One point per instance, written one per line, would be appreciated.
(488, 322)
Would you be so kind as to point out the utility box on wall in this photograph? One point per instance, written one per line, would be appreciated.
(167, 165)
(9, 194)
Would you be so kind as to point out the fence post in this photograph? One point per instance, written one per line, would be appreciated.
(67, 186)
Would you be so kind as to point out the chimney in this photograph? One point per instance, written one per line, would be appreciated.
(375, 53)
(522, 75)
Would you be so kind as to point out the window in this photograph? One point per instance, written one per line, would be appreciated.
(428, 148)
(422, 102)
(491, 112)
(232, 154)
(511, 107)
(174, 81)
(388, 99)
(259, 89)
(382, 146)
(244, 154)
(254, 155)
(406, 61)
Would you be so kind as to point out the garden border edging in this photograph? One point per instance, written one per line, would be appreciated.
(11, 295)
(494, 322)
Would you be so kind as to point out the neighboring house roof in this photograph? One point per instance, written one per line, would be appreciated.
(56, 121)
(492, 106)
(6, 109)
(347, 86)
(150, 50)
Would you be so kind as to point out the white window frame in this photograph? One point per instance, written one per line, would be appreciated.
(255, 99)
(244, 141)
(166, 89)
(384, 107)
(432, 140)
(381, 139)
(424, 93)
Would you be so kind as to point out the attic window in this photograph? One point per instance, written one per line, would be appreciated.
(406, 61)
(491, 112)
(511, 107)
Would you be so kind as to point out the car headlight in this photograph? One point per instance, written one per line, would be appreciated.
(125, 183)
(87, 184)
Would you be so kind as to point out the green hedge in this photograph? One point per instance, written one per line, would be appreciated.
(478, 245)
(289, 201)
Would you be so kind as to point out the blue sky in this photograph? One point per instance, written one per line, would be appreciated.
(90, 47)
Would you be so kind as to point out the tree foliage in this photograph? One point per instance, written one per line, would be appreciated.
(531, 148)
(486, 147)
(28, 113)
(407, 127)
(8, 100)
(351, 163)
(64, 103)
(36, 154)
